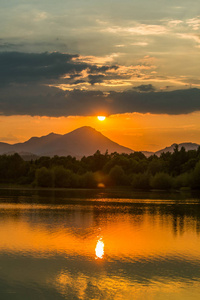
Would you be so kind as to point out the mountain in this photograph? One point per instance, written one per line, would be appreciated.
(4, 147)
(80, 142)
(187, 146)
(27, 156)
(147, 153)
(83, 141)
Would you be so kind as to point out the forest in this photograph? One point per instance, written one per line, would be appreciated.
(177, 170)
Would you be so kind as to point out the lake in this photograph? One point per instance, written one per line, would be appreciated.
(96, 244)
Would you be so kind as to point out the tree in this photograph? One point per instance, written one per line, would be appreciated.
(156, 166)
(195, 177)
(87, 180)
(44, 177)
(161, 181)
(141, 181)
(62, 177)
(117, 175)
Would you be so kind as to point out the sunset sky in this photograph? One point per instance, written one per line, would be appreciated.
(63, 63)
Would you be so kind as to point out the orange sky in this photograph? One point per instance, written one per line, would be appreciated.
(137, 131)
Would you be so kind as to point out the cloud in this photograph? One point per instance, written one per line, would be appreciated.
(174, 23)
(95, 78)
(142, 44)
(45, 84)
(44, 68)
(165, 102)
(189, 36)
(97, 60)
(138, 29)
(19, 67)
(194, 23)
(50, 101)
(69, 71)
(145, 88)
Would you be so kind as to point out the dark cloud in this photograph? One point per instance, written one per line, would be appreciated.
(165, 102)
(49, 101)
(95, 78)
(17, 67)
(97, 69)
(144, 88)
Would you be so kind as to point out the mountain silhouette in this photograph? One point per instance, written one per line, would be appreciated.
(83, 141)
(80, 142)
(187, 146)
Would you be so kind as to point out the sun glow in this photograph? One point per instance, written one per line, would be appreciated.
(101, 118)
(99, 249)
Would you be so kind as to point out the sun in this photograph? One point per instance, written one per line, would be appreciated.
(101, 118)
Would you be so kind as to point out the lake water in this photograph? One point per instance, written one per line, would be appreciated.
(99, 245)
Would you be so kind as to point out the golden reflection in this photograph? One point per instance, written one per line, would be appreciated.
(119, 287)
(99, 249)
(153, 235)
(101, 185)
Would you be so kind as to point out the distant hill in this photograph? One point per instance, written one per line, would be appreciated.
(147, 153)
(27, 156)
(81, 142)
(187, 146)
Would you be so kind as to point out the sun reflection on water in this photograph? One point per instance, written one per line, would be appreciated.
(99, 250)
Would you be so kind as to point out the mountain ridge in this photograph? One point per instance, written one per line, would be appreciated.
(83, 141)
(187, 145)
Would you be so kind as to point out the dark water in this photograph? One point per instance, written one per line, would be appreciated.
(99, 245)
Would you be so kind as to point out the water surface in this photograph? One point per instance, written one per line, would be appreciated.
(99, 245)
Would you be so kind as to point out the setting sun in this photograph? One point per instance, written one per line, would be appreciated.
(101, 118)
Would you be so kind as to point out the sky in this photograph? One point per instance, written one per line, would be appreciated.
(63, 63)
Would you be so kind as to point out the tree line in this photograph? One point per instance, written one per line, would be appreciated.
(180, 169)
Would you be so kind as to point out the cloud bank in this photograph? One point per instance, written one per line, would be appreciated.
(50, 101)
(30, 84)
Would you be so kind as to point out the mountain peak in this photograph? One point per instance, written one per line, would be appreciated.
(83, 141)
(85, 132)
(85, 128)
